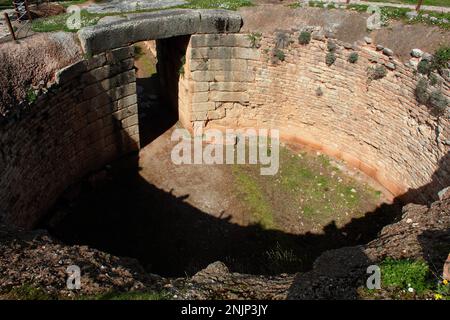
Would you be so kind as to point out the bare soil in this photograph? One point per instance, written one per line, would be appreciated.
(349, 26)
(33, 61)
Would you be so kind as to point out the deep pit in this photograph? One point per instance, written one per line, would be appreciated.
(89, 160)
(177, 219)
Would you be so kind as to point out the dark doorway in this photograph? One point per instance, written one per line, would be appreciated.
(159, 66)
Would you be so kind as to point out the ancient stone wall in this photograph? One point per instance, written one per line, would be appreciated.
(87, 118)
(377, 126)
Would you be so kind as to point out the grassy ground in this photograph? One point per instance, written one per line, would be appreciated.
(438, 3)
(306, 194)
(58, 23)
(391, 13)
(408, 279)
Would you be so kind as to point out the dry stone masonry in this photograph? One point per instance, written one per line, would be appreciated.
(273, 81)
(87, 119)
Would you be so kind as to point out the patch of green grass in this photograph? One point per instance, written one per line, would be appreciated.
(325, 160)
(404, 274)
(28, 292)
(218, 4)
(394, 13)
(254, 197)
(59, 22)
(439, 3)
(134, 295)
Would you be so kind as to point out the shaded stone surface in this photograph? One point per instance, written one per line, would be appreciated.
(130, 5)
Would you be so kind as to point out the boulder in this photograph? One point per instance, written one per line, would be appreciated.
(388, 52)
(416, 53)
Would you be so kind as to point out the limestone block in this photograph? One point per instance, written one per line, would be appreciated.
(233, 76)
(125, 102)
(216, 114)
(225, 53)
(68, 73)
(220, 40)
(229, 86)
(119, 54)
(219, 21)
(202, 76)
(227, 65)
(139, 27)
(156, 25)
(229, 96)
(130, 121)
(203, 106)
(200, 97)
(200, 86)
(199, 116)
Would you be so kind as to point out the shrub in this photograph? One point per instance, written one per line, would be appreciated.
(304, 37)
(434, 80)
(353, 57)
(422, 95)
(31, 96)
(330, 58)
(379, 72)
(282, 40)
(331, 46)
(255, 38)
(424, 67)
(441, 58)
(438, 102)
(279, 54)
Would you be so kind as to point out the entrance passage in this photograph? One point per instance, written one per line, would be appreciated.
(159, 75)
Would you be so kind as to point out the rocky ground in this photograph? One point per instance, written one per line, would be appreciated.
(34, 259)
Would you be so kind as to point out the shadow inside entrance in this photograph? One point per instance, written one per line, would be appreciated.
(128, 216)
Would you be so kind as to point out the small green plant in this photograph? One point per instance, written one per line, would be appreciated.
(138, 52)
(405, 274)
(438, 103)
(330, 58)
(331, 46)
(434, 80)
(424, 67)
(255, 39)
(183, 62)
(441, 58)
(304, 38)
(377, 72)
(31, 96)
(353, 57)
(279, 54)
(421, 91)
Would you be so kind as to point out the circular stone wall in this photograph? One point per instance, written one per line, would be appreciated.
(375, 125)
